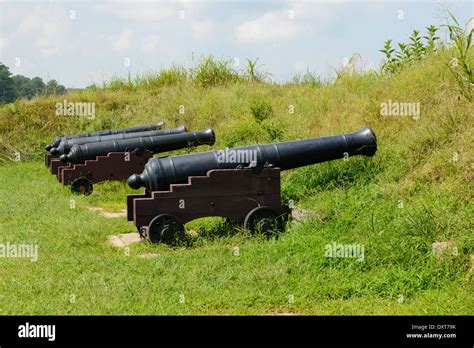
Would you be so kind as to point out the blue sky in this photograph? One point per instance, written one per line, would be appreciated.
(80, 43)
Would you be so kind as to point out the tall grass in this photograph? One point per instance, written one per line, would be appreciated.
(207, 72)
(254, 73)
(461, 65)
(210, 72)
(165, 77)
(308, 78)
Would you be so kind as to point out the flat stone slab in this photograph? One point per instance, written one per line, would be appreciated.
(123, 240)
(108, 214)
(443, 249)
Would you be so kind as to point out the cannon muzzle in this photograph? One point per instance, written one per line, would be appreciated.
(159, 173)
(81, 152)
(66, 144)
(141, 128)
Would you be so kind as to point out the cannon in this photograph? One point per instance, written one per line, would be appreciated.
(86, 164)
(66, 144)
(51, 160)
(240, 184)
(80, 153)
(142, 128)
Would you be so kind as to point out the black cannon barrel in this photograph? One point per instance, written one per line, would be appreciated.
(66, 144)
(156, 144)
(141, 128)
(159, 173)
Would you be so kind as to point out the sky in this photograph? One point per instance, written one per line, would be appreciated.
(79, 43)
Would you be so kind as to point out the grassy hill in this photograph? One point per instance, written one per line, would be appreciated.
(416, 191)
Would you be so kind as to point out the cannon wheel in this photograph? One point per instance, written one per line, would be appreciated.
(82, 185)
(265, 220)
(165, 228)
(142, 231)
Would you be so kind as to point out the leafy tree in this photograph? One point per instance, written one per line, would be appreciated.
(37, 85)
(54, 88)
(60, 89)
(19, 86)
(7, 89)
(23, 86)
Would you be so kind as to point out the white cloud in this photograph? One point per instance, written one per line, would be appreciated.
(201, 28)
(51, 39)
(26, 67)
(123, 40)
(30, 23)
(143, 11)
(45, 29)
(151, 42)
(160, 16)
(300, 66)
(270, 26)
(287, 23)
(3, 43)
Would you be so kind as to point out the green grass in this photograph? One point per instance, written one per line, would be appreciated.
(74, 259)
(424, 164)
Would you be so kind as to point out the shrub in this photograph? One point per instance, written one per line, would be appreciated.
(274, 131)
(261, 108)
(251, 72)
(243, 133)
(410, 52)
(166, 77)
(308, 78)
(210, 72)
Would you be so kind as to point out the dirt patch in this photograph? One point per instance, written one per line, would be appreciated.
(147, 255)
(108, 214)
(298, 214)
(123, 240)
(126, 239)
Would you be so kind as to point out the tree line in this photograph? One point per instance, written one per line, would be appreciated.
(19, 86)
